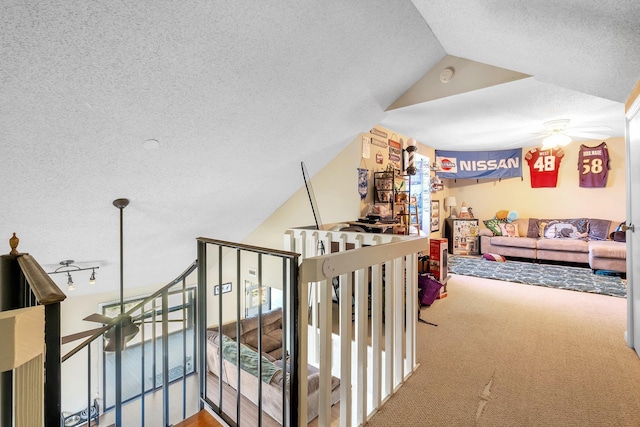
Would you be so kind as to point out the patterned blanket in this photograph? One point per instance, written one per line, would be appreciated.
(248, 359)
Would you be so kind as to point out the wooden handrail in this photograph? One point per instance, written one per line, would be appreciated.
(42, 286)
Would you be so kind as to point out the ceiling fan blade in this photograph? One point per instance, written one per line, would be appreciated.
(590, 129)
(78, 335)
(588, 135)
(100, 318)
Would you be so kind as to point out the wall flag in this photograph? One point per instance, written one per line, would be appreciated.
(363, 182)
(479, 164)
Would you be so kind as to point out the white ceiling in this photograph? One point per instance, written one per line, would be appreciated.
(238, 93)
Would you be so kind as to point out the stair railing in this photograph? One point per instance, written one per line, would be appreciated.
(174, 302)
(375, 277)
(25, 284)
(236, 280)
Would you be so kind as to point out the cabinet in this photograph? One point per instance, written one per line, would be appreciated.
(462, 235)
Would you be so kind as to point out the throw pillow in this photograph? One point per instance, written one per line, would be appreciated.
(566, 229)
(509, 229)
(493, 257)
(494, 226)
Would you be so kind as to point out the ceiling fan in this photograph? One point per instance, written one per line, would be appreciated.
(130, 329)
(130, 326)
(559, 133)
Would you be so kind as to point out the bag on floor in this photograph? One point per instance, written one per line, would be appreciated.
(428, 290)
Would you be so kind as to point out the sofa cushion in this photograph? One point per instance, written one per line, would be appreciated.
(520, 242)
(270, 320)
(608, 249)
(564, 245)
(313, 377)
(269, 342)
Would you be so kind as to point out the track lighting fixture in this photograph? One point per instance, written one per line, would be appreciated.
(68, 267)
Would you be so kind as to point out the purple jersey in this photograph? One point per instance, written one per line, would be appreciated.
(593, 164)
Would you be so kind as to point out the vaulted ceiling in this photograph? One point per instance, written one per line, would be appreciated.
(200, 112)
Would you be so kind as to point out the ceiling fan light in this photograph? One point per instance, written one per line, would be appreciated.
(554, 140)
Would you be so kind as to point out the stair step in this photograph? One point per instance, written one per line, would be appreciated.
(201, 419)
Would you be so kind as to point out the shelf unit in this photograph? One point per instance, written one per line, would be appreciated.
(394, 190)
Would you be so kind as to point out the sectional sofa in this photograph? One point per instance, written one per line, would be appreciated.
(275, 369)
(574, 240)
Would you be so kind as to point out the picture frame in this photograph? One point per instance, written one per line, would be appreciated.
(435, 215)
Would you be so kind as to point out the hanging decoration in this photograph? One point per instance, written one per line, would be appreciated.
(363, 182)
(366, 147)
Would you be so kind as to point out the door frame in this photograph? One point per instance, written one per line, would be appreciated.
(632, 114)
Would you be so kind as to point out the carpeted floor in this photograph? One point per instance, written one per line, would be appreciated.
(548, 275)
(506, 355)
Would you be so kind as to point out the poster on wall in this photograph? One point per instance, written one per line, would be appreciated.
(366, 147)
(479, 164)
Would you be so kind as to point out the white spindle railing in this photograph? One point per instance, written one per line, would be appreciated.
(369, 374)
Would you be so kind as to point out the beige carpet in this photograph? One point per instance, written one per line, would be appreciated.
(506, 354)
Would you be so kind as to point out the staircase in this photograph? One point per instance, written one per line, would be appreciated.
(383, 267)
(200, 419)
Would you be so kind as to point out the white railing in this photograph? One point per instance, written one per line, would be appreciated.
(377, 274)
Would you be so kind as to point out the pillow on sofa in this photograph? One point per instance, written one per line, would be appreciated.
(565, 229)
(509, 229)
(494, 225)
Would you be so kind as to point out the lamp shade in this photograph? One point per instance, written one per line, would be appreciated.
(450, 202)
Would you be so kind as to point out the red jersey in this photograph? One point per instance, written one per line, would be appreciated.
(593, 164)
(544, 166)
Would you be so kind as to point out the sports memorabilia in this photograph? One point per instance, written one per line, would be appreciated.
(544, 166)
(593, 165)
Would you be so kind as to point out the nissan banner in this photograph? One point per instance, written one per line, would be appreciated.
(479, 164)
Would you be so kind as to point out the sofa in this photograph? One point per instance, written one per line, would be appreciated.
(273, 376)
(574, 240)
(271, 332)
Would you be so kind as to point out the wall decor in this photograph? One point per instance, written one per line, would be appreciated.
(363, 182)
(379, 142)
(226, 287)
(395, 144)
(379, 158)
(394, 157)
(378, 132)
(435, 215)
(395, 151)
(366, 147)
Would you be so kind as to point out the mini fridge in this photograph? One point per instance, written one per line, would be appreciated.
(462, 235)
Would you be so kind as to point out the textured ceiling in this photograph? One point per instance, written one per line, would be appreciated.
(238, 93)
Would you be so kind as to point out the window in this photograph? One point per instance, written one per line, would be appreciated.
(143, 354)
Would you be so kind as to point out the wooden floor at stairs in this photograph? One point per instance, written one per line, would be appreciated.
(200, 419)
